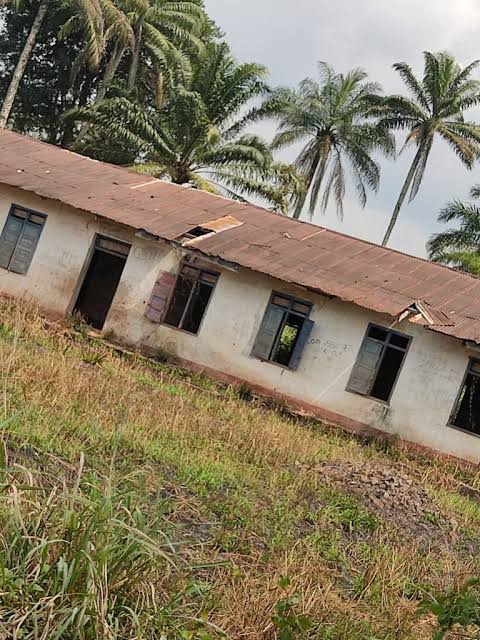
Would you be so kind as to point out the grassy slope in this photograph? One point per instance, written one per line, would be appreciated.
(227, 475)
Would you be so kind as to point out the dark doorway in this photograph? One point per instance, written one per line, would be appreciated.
(101, 280)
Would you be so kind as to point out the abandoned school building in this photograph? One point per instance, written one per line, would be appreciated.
(365, 336)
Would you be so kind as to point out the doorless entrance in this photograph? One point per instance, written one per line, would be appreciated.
(101, 280)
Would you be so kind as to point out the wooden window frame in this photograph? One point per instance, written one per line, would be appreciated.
(29, 214)
(450, 424)
(386, 344)
(287, 311)
(200, 269)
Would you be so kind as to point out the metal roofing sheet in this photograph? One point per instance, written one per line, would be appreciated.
(373, 277)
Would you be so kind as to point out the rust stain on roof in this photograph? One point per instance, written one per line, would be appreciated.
(222, 224)
(296, 252)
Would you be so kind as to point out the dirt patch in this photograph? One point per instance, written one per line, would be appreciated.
(394, 497)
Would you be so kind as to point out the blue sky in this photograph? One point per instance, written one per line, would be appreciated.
(289, 37)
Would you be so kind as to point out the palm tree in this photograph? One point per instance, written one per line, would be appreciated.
(88, 18)
(197, 138)
(331, 119)
(460, 246)
(436, 108)
(161, 29)
(115, 37)
(164, 29)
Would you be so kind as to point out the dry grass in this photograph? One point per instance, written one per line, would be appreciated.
(231, 479)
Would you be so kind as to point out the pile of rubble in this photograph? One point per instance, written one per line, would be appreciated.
(392, 496)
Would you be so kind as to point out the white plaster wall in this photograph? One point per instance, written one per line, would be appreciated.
(423, 397)
(56, 270)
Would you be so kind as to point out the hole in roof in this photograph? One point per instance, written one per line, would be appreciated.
(197, 232)
(209, 228)
(194, 233)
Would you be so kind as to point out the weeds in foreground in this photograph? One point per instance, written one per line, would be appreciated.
(456, 608)
(88, 562)
(288, 620)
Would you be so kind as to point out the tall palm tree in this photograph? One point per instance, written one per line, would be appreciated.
(88, 18)
(198, 138)
(459, 246)
(331, 120)
(436, 108)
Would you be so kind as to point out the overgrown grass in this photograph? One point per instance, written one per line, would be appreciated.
(196, 514)
(88, 562)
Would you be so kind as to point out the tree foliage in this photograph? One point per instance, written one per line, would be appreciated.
(197, 137)
(48, 88)
(89, 43)
(459, 246)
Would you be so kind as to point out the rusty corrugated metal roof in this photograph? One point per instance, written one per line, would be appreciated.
(353, 270)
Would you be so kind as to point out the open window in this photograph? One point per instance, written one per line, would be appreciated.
(378, 363)
(193, 289)
(19, 239)
(466, 413)
(284, 331)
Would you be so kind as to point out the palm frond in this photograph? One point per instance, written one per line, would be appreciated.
(150, 169)
(466, 150)
(464, 260)
(117, 24)
(413, 85)
(87, 18)
(249, 149)
(464, 237)
(202, 183)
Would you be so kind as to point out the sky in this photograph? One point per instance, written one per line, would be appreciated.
(290, 36)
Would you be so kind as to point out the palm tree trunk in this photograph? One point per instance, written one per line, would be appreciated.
(320, 160)
(19, 72)
(301, 201)
(401, 197)
(132, 74)
(110, 71)
(159, 89)
(108, 75)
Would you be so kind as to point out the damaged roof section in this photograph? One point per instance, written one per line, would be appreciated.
(373, 277)
(430, 316)
(208, 229)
